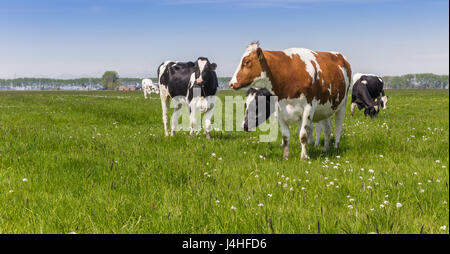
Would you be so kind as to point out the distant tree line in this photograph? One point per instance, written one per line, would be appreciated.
(111, 80)
(423, 81)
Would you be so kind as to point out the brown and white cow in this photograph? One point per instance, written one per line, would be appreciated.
(310, 86)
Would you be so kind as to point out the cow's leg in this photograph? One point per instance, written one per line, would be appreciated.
(164, 95)
(353, 106)
(326, 124)
(192, 119)
(208, 125)
(308, 113)
(318, 131)
(285, 136)
(175, 116)
(338, 123)
(208, 115)
(145, 94)
(309, 131)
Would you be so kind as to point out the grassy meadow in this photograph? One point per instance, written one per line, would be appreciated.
(98, 162)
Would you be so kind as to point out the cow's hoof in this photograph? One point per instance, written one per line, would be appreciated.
(166, 134)
(172, 133)
(208, 136)
(191, 135)
(304, 157)
(286, 153)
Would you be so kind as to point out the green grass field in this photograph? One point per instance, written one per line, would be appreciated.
(98, 162)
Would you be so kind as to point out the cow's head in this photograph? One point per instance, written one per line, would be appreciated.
(253, 107)
(249, 68)
(202, 70)
(373, 111)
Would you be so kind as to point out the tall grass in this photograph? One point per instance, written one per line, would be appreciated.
(98, 162)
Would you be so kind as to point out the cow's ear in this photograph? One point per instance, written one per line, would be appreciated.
(213, 66)
(191, 64)
(251, 90)
(259, 53)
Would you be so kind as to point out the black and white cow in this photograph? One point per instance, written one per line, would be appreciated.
(190, 83)
(368, 93)
(148, 87)
(256, 114)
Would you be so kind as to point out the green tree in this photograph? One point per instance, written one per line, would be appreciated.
(110, 80)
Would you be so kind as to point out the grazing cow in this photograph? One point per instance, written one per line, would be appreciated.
(253, 108)
(149, 87)
(310, 86)
(368, 93)
(190, 83)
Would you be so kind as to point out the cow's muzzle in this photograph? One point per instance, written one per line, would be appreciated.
(199, 81)
(233, 85)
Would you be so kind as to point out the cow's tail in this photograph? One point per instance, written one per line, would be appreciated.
(349, 81)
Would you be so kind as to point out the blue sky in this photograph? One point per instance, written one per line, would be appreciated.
(72, 38)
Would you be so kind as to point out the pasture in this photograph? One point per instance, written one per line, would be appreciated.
(98, 162)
